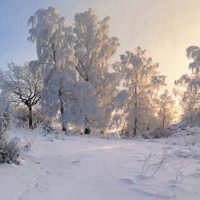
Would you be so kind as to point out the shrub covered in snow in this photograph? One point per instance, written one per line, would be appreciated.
(9, 150)
(159, 133)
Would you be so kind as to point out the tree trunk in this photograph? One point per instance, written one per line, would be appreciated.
(63, 124)
(30, 117)
(62, 110)
(135, 127)
(163, 124)
(136, 108)
(87, 131)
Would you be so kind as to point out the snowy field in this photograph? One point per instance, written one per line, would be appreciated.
(88, 168)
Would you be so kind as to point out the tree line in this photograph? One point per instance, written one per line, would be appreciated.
(74, 82)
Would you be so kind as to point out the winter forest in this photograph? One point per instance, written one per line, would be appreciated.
(75, 83)
(80, 110)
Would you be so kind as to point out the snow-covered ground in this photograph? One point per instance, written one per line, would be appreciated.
(88, 168)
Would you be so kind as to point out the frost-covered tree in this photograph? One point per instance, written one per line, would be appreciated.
(77, 100)
(55, 49)
(23, 85)
(190, 104)
(54, 44)
(5, 111)
(75, 56)
(53, 38)
(166, 112)
(94, 47)
(141, 81)
(117, 118)
(190, 85)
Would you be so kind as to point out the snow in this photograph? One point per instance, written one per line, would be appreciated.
(89, 168)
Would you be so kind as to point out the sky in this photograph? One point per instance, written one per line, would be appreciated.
(165, 28)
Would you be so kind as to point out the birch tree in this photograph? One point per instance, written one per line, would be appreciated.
(189, 84)
(166, 111)
(55, 49)
(141, 80)
(94, 47)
